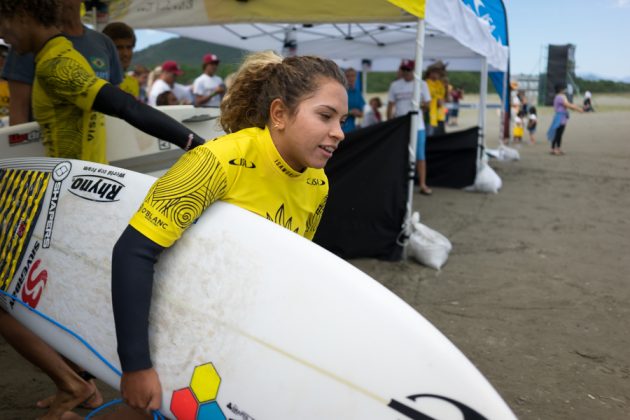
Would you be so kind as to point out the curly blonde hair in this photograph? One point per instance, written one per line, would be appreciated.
(266, 76)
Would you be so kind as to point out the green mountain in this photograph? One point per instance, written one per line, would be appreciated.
(188, 54)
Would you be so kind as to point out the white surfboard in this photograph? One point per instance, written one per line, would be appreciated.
(248, 321)
(127, 147)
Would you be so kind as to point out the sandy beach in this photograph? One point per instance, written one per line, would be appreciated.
(536, 290)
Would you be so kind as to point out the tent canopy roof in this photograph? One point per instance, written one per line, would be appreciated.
(348, 30)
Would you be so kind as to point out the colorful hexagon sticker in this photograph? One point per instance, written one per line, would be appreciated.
(197, 402)
(184, 405)
(205, 382)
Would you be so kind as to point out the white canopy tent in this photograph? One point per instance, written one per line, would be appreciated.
(348, 30)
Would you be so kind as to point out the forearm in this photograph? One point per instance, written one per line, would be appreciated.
(133, 258)
(112, 101)
(390, 110)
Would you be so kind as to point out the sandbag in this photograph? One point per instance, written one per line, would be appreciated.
(486, 180)
(508, 153)
(427, 246)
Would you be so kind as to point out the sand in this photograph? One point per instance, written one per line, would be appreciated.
(536, 291)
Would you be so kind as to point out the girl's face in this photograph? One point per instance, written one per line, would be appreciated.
(308, 138)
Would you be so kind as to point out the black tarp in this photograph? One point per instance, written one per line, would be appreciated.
(369, 176)
(366, 205)
(452, 159)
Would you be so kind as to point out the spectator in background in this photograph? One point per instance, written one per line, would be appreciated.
(532, 122)
(169, 70)
(151, 78)
(457, 94)
(141, 73)
(208, 88)
(166, 98)
(98, 49)
(373, 115)
(125, 40)
(435, 75)
(561, 106)
(355, 101)
(518, 131)
(400, 97)
(587, 104)
(4, 85)
(523, 105)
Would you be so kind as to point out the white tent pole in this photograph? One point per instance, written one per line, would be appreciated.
(483, 95)
(413, 134)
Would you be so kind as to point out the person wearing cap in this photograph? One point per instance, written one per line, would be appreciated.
(400, 103)
(209, 88)
(166, 80)
(4, 85)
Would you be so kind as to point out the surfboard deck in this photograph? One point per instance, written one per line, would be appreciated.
(248, 319)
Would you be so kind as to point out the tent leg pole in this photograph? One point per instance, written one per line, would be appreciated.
(413, 134)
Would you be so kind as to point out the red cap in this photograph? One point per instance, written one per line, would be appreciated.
(210, 58)
(172, 67)
(407, 64)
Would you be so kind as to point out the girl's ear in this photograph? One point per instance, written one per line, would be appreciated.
(278, 114)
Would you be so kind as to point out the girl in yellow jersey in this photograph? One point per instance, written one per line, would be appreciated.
(284, 120)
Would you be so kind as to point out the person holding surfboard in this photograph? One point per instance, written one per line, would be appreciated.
(65, 92)
(283, 118)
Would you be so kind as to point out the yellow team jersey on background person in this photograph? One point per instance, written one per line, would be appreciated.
(131, 86)
(4, 98)
(244, 169)
(437, 91)
(64, 90)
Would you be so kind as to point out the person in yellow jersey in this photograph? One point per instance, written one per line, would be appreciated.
(434, 75)
(283, 118)
(65, 91)
(124, 38)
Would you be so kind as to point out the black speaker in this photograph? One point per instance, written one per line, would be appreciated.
(560, 68)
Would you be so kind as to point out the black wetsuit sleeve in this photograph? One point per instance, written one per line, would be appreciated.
(112, 101)
(133, 259)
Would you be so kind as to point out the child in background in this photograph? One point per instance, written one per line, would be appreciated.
(532, 121)
(518, 127)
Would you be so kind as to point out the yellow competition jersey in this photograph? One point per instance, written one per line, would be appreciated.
(437, 91)
(63, 93)
(131, 86)
(4, 98)
(243, 168)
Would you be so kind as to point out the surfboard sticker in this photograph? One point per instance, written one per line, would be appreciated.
(21, 202)
(26, 137)
(199, 400)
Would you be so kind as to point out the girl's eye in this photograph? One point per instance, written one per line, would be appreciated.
(325, 116)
